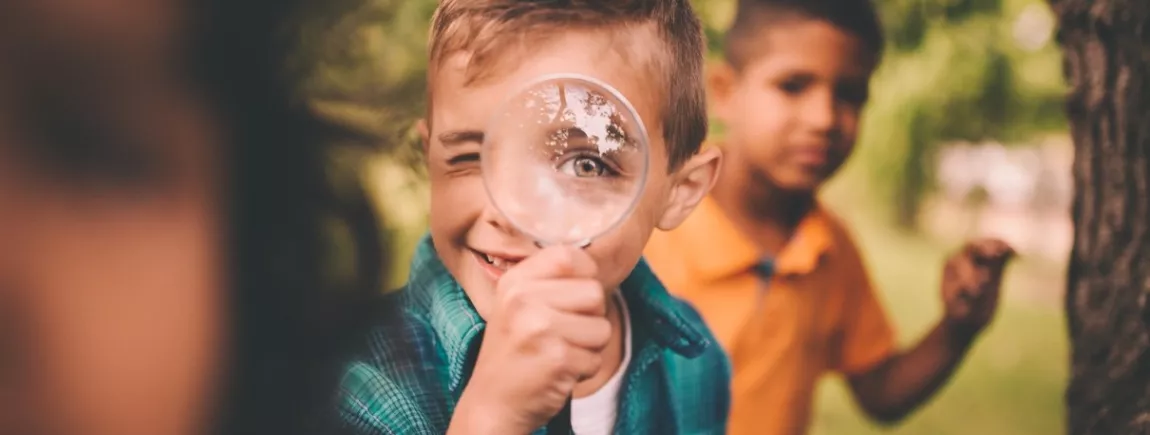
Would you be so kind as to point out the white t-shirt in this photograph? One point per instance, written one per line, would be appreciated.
(595, 414)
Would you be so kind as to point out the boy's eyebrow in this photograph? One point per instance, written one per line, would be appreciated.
(460, 137)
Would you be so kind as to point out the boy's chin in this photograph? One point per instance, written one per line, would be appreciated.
(804, 179)
(475, 278)
(802, 185)
(478, 287)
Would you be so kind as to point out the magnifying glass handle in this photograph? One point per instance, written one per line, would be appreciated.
(560, 424)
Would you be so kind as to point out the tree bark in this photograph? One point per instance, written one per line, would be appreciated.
(1107, 65)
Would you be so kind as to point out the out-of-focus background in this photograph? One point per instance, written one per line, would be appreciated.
(964, 136)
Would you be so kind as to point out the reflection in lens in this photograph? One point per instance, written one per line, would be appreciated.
(566, 159)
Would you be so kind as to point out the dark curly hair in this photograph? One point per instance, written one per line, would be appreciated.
(752, 17)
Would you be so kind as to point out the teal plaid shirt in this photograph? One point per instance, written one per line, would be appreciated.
(419, 357)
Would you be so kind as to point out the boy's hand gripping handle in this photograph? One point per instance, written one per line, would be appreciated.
(560, 424)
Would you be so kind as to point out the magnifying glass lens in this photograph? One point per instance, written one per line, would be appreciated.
(565, 160)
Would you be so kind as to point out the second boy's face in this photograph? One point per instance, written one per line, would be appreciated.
(793, 111)
(471, 237)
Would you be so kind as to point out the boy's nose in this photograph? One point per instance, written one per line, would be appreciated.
(819, 111)
(493, 217)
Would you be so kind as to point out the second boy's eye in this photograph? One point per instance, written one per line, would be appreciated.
(794, 85)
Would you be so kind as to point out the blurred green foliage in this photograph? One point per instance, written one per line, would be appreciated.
(364, 68)
(956, 70)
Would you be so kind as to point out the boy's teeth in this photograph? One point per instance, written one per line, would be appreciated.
(496, 261)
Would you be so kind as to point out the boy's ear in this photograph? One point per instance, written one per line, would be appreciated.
(721, 79)
(424, 139)
(692, 183)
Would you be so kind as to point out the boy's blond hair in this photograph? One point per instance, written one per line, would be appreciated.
(487, 28)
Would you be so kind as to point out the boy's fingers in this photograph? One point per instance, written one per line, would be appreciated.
(586, 332)
(550, 263)
(581, 296)
(964, 270)
(1004, 250)
(966, 297)
(581, 362)
(990, 250)
(966, 278)
(556, 262)
(961, 306)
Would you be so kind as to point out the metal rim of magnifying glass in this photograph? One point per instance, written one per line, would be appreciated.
(618, 96)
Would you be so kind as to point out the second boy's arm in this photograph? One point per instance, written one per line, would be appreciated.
(892, 389)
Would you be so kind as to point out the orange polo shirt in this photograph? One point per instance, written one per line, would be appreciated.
(818, 312)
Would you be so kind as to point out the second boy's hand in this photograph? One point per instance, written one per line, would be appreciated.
(970, 286)
(546, 332)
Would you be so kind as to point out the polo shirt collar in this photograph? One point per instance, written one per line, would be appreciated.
(719, 250)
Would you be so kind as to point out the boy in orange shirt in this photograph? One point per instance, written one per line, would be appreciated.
(778, 278)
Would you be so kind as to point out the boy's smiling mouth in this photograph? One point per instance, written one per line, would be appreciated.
(495, 264)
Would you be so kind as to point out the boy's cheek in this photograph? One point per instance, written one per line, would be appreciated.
(759, 117)
(616, 258)
(736, 109)
(458, 191)
(617, 252)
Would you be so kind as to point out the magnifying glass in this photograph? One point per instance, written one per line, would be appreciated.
(565, 160)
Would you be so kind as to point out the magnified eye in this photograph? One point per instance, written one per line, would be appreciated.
(584, 167)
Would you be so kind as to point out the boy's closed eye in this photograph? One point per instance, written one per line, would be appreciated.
(462, 163)
(462, 148)
(464, 158)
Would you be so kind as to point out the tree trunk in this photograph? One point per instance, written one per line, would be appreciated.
(1107, 64)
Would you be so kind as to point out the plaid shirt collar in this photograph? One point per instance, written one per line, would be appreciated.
(435, 295)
